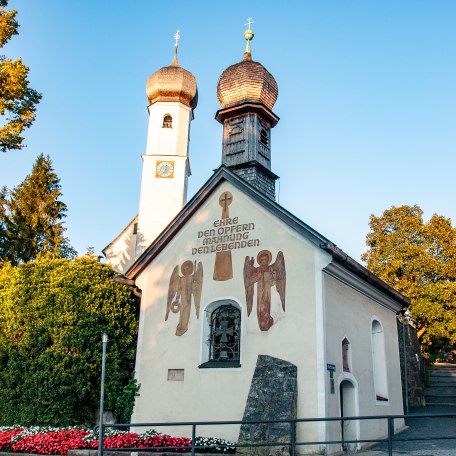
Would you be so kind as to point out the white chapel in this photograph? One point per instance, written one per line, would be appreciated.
(246, 311)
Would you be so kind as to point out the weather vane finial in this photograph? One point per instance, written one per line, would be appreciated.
(248, 35)
(176, 37)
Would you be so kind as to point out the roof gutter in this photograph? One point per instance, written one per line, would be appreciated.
(348, 262)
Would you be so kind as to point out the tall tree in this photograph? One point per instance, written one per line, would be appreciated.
(17, 100)
(418, 259)
(32, 221)
(3, 236)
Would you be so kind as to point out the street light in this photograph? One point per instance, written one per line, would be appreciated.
(104, 339)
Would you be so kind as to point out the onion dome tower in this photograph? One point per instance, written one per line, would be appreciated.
(247, 93)
(172, 96)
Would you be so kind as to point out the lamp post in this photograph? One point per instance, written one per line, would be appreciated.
(104, 340)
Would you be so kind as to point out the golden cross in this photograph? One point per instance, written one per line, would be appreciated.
(249, 23)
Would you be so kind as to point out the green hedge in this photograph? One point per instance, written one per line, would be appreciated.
(53, 312)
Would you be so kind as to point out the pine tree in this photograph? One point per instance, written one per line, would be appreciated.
(17, 100)
(32, 217)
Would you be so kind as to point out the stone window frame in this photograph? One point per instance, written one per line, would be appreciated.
(207, 331)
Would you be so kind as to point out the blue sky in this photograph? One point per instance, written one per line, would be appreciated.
(367, 102)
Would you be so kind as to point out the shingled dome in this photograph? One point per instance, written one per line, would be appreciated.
(247, 81)
(172, 83)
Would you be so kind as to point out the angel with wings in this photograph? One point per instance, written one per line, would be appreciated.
(266, 275)
(180, 292)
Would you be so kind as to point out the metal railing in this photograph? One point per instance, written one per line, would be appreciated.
(293, 443)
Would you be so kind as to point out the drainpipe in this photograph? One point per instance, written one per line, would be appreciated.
(404, 356)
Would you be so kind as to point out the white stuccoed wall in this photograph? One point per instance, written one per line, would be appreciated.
(320, 311)
(220, 394)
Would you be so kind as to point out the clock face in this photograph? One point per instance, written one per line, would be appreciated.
(164, 169)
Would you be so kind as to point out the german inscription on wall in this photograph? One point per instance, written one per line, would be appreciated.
(226, 234)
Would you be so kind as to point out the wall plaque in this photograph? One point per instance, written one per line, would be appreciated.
(176, 375)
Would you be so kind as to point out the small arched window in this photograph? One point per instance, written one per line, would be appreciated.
(379, 363)
(223, 344)
(167, 121)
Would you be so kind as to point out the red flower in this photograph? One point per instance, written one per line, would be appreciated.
(5, 437)
(53, 442)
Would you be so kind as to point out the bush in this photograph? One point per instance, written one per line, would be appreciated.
(53, 312)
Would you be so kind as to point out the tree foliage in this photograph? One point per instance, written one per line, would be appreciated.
(31, 217)
(418, 259)
(17, 100)
(53, 312)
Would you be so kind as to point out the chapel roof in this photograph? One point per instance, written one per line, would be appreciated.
(340, 260)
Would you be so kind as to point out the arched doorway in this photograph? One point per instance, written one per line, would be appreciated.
(348, 407)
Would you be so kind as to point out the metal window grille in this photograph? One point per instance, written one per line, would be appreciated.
(225, 330)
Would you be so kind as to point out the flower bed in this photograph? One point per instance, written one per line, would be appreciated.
(47, 440)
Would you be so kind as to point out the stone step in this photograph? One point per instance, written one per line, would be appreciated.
(441, 400)
(450, 380)
(440, 391)
(440, 404)
(442, 371)
(442, 375)
(438, 398)
(439, 377)
(442, 385)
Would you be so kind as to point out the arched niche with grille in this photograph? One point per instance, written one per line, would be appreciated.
(346, 355)
(221, 345)
(379, 365)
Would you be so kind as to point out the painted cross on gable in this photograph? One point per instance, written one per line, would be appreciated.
(225, 200)
(223, 267)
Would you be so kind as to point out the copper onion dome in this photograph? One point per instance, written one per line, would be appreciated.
(247, 81)
(172, 83)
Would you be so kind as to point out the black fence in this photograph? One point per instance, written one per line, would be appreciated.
(293, 444)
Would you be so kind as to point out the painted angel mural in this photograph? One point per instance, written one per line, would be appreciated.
(266, 275)
(181, 290)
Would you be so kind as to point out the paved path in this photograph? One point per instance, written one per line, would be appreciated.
(419, 428)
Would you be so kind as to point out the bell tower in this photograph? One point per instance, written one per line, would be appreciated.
(172, 95)
(247, 93)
